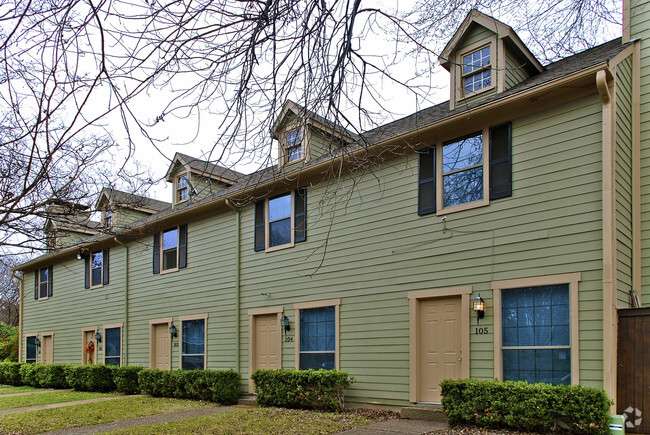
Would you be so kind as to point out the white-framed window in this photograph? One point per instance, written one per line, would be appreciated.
(193, 342)
(96, 269)
(108, 218)
(317, 335)
(182, 188)
(477, 70)
(170, 249)
(293, 145)
(43, 279)
(462, 170)
(280, 221)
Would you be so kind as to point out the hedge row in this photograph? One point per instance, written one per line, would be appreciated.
(312, 389)
(221, 386)
(523, 406)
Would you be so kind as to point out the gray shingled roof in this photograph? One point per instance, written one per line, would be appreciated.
(211, 168)
(130, 200)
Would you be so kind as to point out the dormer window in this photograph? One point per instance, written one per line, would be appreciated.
(294, 145)
(182, 189)
(108, 218)
(477, 72)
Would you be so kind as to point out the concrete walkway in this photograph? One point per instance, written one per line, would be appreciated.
(29, 393)
(143, 421)
(57, 405)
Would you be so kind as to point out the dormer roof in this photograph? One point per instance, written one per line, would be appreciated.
(110, 196)
(503, 31)
(204, 168)
(309, 117)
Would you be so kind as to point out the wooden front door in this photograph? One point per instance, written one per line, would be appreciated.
(633, 371)
(267, 342)
(161, 346)
(89, 357)
(439, 354)
(46, 349)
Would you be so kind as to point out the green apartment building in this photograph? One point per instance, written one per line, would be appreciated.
(528, 189)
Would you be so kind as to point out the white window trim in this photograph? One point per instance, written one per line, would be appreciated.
(188, 176)
(47, 292)
(305, 150)
(441, 209)
(112, 326)
(267, 222)
(573, 280)
(493, 67)
(319, 304)
(105, 218)
(182, 319)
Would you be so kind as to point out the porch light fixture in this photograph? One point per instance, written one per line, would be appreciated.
(37, 342)
(173, 331)
(284, 321)
(479, 308)
(98, 337)
(79, 257)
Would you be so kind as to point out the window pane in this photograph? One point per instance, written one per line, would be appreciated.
(43, 290)
(551, 366)
(170, 239)
(280, 207)
(182, 181)
(476, 60)
(463, 187)
(192, 362)
(294, 153)
(115, 361)
(31, 349)
(193, 336)
(96, 276)
(317, 330)
(317, 361)
(462, 154)
(97, 259)
(113, 342)
(43, 275)
(294, 137)
(280, 232)
(169, 259)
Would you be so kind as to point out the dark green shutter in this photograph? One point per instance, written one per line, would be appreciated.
(36, 280)
(182, 246)
(259, 226)
(87, 272)
(156, 253)
(427, 181)
(105, 266)
(300, 215)
(501, 161)
(50, 279)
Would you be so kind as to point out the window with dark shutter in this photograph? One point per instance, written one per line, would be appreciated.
(36, 280)
(105, 266)
(87, 272)
(156, 253)
(182, 246)
(300, 215)
(501, 161)
(427, 181)
(259, 226)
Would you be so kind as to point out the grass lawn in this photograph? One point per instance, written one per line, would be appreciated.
(88, 414)
(47, 398)
(257, 421)
(6, 389)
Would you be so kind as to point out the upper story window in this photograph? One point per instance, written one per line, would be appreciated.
(170, 249)
(96, 269)
(453, 176)
(294, 145)
(281, 221)
(182, 189)
(477, 73)
(43, 283)
(108, 218)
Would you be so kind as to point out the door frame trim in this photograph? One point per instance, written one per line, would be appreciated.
(252, 341)
(93, 330)
(414, 297)
(48, 334)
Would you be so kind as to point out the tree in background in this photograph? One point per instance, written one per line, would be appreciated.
(9, 290)
(79, 78)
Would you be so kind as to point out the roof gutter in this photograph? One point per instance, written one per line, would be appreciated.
(321, 169)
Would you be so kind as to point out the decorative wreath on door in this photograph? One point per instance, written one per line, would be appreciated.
(90, 350)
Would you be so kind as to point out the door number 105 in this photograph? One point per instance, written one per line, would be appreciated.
(481, 330)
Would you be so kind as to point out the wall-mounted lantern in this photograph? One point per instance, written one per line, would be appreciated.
(479, 308)
(173, 331)
(284, 321)
(98, 337)
(37, 342)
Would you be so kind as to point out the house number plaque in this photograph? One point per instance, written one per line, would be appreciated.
(288, 339)
(481, 330)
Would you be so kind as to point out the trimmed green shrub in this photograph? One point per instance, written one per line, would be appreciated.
(10, 373)
(51, 376)
(28, 374)
(221, 386)
(91, 377)
(126, 379)
(311, 389)
(523, 406)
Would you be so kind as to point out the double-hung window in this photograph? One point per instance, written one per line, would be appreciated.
(318, 338)
(294, 145)
(170, 249)
(108, 218)
(536, 334)
(456, 172)
(113, 344)
(477, 72)
(280, 221)
(96, 269)
(30, 349)
(43, 283)
(193, 344)
(182, 189)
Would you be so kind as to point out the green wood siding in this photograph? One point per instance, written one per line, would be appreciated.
(515, 70)
(624, 181)
(124, 216)
(474, 34)
(640, 28)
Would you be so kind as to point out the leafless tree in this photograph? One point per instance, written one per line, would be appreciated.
(77, 77)
(9, 290)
